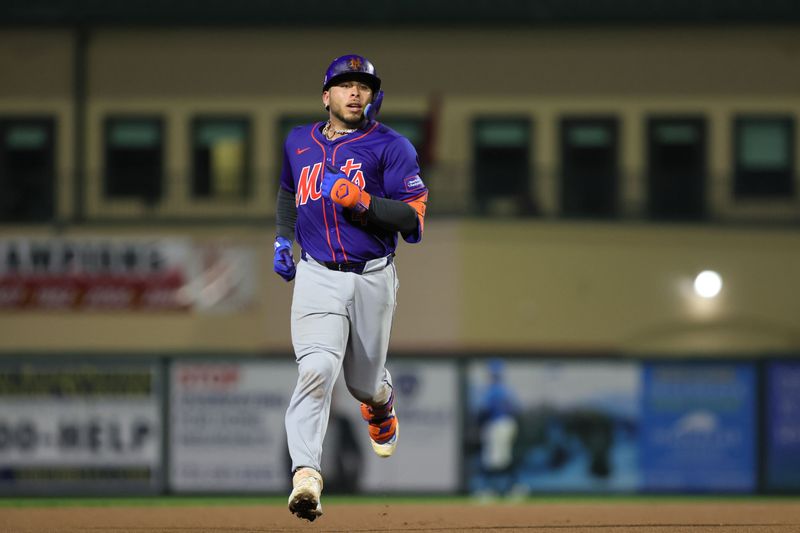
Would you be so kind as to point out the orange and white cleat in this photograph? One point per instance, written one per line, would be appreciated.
(384, 429)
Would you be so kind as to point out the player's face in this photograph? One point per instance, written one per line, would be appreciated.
(347, 101)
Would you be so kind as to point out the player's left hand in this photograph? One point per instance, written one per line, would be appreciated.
(336, 187)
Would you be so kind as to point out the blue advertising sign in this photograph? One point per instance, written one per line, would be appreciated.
(698, 427)
(536, 425)
(783, 423)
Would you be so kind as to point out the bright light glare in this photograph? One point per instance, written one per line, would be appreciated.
(707, 284)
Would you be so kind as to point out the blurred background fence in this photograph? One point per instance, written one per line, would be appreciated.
(485, 426)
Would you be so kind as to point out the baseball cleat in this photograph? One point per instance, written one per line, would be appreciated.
(304, 501)
(384, 429)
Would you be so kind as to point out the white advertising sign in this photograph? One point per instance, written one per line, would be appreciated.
(227, 429)
(228, 433)
(428, 454)
(110, 432)
(76, 426)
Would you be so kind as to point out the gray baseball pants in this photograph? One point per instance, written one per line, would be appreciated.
(340, 320)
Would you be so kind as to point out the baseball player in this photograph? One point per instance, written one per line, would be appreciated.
(348, 186)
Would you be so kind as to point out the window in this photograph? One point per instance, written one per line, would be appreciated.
(589, 167)
(221, 157)
(676, 168)
(502, 166)
(764, 157)
(134, 156)
(27, 169)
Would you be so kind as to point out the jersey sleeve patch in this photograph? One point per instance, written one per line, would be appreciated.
(413, 183)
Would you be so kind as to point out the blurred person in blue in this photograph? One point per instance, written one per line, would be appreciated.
(498, 420)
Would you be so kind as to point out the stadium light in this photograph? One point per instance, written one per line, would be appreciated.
(707, 284)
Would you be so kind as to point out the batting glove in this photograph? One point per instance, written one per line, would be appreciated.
(338, 188)
(283, 263)
(371, 111)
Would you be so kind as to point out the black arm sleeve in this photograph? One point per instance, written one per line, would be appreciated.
(286, 214)
(392, 215)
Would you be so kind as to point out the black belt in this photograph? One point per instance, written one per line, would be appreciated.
(354, 267)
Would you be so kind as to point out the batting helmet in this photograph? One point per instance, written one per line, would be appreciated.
(352, 66)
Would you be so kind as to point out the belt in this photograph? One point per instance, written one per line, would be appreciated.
(354, 267)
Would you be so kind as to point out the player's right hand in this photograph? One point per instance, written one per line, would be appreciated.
(283, 262)
(331, 176)
(338, 188)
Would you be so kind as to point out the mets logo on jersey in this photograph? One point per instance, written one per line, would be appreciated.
(309, 184)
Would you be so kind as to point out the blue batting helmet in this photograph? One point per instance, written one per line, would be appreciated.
(352, 66)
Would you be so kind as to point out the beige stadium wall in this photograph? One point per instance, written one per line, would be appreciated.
(472, 285)
(543, 74)
(597, 61)
(628, 288)
(499, 286)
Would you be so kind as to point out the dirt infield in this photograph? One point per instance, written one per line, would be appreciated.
(735, 516)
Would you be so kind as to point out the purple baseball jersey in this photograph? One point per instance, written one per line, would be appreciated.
(377, 159)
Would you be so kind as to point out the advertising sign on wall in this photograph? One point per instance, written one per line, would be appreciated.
(699, 427)
(551, 425)
(124, 275)
(80, 427)
(227, 429)
(783, 425)
(427, 456)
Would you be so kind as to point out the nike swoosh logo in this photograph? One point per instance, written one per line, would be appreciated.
(301, 150)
